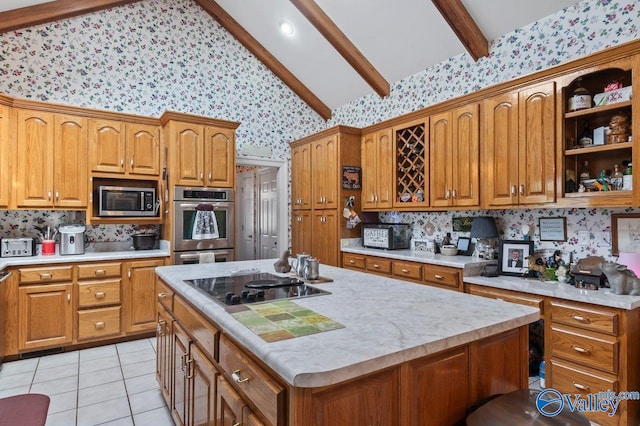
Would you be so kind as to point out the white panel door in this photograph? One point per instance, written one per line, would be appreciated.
(268, 214)
(245, 216)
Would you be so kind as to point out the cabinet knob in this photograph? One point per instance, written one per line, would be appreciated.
(580, 318)
(162, 295)
(100, 294)
(351, 261)
(581, 350)
(236, 377)
(521, 189)
(405, 271)
(513, 190)
(581, 387)
(99, 272)
(99, 325)
(438, 277)
(376, 266)
(46, 276)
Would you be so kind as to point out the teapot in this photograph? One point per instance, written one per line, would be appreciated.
(300, 262)
(312, 269)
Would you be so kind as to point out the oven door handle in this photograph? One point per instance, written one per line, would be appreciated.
(189, 256)
(216, 205)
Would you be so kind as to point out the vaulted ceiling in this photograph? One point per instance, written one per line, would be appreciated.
(340, 50)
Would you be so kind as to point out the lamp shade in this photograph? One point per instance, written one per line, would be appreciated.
(484, 227)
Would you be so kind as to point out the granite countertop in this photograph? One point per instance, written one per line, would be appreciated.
(95, 252)
(387, 322)
(602, 297)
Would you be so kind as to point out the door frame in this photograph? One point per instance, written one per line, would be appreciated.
(282, 182)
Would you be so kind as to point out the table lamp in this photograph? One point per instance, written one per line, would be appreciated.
(483, 229)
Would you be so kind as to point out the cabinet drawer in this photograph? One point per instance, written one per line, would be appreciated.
(441, 276)
(589, 318)
(599, 352)
(266, 394)
(95, 323)
(99, 270)
(508, 296)
(50, 274)
(164, 293)
(353, 261)
(407, 270)
(378, 265)
(204, 333)
(96, 293)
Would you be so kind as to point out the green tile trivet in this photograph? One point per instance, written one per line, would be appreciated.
(283, 319)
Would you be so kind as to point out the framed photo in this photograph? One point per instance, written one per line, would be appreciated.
(351, 177)
(420, 246)
(553, 228)
(625, 233)
(512, 256)
(462, 224)
(465, 246)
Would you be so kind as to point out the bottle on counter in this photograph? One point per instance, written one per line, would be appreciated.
(616, 178)
(584, 172)
(627, 178)
(580, 98)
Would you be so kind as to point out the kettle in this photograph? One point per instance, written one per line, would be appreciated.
(71, 239)
(312, 269)
(300, 262)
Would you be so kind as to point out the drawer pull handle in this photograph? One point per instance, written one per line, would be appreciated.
(581, 350)
(99, 325)
(581, 387)
(100, 272)
(438, 277)
(351, 261)
(580, 318)
(160, 327)
(375, 265)
(406, 271)
(189, 373)
(100, 294)
(162, 295)
(45, 276)
(236, 377)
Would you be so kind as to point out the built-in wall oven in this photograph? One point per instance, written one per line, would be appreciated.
(203, 225)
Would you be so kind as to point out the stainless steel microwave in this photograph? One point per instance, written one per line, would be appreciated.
(127, 201)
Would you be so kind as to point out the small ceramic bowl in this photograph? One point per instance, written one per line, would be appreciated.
(449, 250)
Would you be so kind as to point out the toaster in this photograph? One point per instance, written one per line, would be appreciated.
(390, 236)
(16, 247)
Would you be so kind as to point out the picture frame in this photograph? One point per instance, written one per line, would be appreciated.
(512, 257)
(420, 246)
(625, 233)
(553, 228)
(351, 177)
(461, 223)
(465, 246)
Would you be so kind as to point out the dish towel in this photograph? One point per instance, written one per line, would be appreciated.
(205, 226)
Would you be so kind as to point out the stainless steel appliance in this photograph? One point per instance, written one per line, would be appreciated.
(253, 288)
(203, 223)
(15, 247)
(71, 239)
(390, 236)
(127, 201)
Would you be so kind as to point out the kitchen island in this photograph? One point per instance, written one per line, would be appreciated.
(408, 353)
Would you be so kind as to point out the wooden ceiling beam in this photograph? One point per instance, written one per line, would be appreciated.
(53, 11)
(263, 55)
(461, 22)
(316, 16)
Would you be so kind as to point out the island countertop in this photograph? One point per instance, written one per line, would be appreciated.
(387, 322)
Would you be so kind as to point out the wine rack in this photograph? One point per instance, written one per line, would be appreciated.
(411, 170)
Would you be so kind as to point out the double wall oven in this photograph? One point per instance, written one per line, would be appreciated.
(203, 225)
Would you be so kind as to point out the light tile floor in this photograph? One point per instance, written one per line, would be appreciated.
(106, 385)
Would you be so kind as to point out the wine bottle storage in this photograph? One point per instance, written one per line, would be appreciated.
(410, 164)
(598, 135)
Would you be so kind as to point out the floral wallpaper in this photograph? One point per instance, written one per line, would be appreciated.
(155, 55)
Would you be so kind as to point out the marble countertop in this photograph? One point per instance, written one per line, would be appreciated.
(94, 253)
(387, 322)
(602, 297)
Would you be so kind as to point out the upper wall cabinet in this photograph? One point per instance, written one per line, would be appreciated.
(5, 172)
(124, 149)
(377, 170)
(411, 143)
(324, 168)
(51, 150)
(518, 145)
(301, 185)
(597, 135)
(455, 158)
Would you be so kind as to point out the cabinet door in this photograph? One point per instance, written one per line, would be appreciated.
(34, 177)
(202, 401)
(369, 161)
(441, 157)
(301, 232)
(37, 306)
(229, 403)
(107, 146)
(180, 352)
(164, 362)
(465, 157)
(501, 150)
(324, 172)
(139, 295)
(187, 140)
(325, 233)
(385, 169)
(219, 158)
(301, 177)
(537, 144)
(70, 182)
(5, 182)
(143, 149)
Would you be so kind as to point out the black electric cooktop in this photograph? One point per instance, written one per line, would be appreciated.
(253, 288)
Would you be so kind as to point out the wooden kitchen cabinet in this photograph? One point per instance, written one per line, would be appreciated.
(508, 296)
(455, 157)
(325, 244)
(301, 237)
(124, 149)
(140, 297)
(377, 170)
(5, 152)
(164, 351)
(412, 164)
(324, 166)
(99, 313)
(202, 151)
(51, 150)
(301, 185)
(519, 135)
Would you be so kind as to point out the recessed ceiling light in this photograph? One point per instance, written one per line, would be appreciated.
(286, 28)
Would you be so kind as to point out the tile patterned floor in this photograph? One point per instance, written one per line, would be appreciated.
(106, 385)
